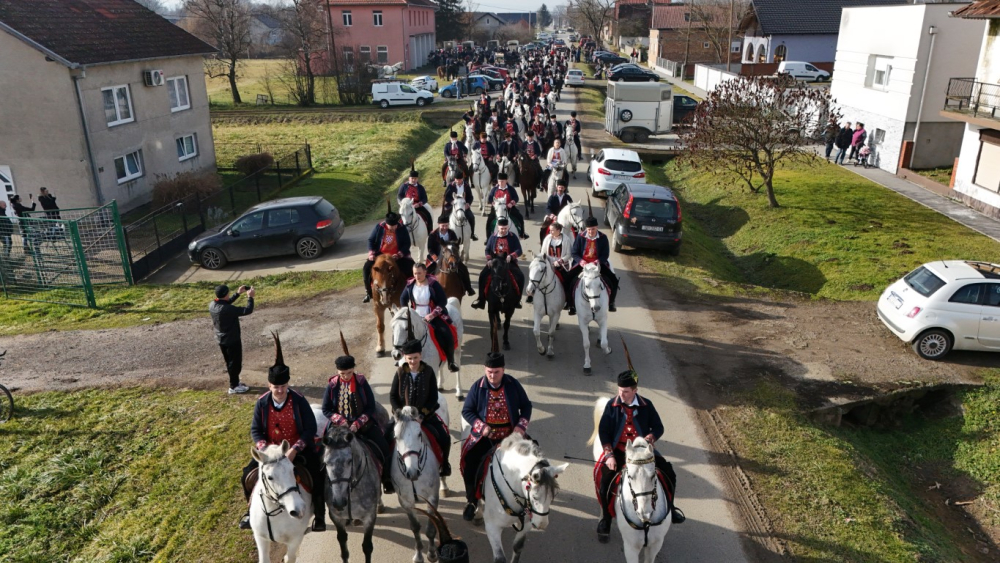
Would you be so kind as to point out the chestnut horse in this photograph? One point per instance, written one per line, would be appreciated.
(529, 178)
(448, 274)
(388, 282)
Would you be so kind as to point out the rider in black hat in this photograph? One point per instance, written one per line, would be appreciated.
(415, 385)
(388, 238)
(436, 241)
(283, 414)
(504, 190)
(573, 125)
(413, 189)
(463, 188)
(503, 243)
(591, 247)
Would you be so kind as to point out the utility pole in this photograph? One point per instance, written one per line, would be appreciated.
(729, 47)
(687, 42)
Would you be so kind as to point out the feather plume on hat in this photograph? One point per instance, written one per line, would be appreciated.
(347, 360)
(629, 377)
(278, 374)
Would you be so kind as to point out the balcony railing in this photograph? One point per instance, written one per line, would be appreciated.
(971, 97)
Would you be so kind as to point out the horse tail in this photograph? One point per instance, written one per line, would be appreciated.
(599, 406)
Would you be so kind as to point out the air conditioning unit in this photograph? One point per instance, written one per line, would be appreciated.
(152, 77)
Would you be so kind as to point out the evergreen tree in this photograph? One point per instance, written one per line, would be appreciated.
(544, 17)
(448, 20)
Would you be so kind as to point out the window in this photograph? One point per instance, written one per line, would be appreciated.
(993, 294)
(706, 45)
(749, 54)
(923, 281)
(349, 56)
(366, 54)
(383, 54)
(282, 217)
(970, 294)
(407, 88)
(879, 72)
(348, 21)
(877, 137)
(128, 167)
(377, 18)
(178, 88)
(187, 147)
(117, 105)
(7, 182)
(781, 54)
(761, 54)
(987, 174)
(249, 224)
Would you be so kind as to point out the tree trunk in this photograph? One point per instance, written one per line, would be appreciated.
(232, 83)
(770, 191)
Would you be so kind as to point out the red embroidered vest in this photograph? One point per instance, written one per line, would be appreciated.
(390, 245)
(501, 246)
(281, 424)
(555, 251)
(590, 251)
(455, 151)
(484, 149)
(497, 415)
(412, 193)
(630, 432)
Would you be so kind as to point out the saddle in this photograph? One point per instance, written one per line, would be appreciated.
(302, 478)
(612, 493)
(437, 345)
(513, 282)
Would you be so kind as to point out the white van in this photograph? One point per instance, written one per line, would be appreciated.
(388, 94)
(800, 70)
(513, 44)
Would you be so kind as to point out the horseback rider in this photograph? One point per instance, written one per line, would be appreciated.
(503, 242)
(349, 401)
(532, 149)
(417, 194)
(460, 187)
(555, 158)
(388, 238)
(455, 149)
(557, 201)
(573, 125)
(553, 131)
(495, 407)
(511, 145)
(425, 295)
(502, 190)
(436, 241)
(488, 152)
(538, 127)
(589, 248)
(510, 126)
(415, 385)
(484, 103)
(557, 248)
(626, 417)
(284, 414)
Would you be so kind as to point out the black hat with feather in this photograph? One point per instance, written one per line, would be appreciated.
(627, 378)
(347, 360)
(494, 359)
(278, 374)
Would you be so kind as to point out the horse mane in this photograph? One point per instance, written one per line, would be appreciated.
(408, 414)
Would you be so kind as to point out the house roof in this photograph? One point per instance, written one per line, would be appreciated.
(268, 20)
(86, 32)
(515, 17)
(417, 3)
(675, 16)
(805, 17)
(983, 9)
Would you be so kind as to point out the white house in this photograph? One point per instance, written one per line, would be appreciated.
(976, 103)
(893, 78)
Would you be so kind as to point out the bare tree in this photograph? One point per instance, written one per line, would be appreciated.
(591, 15)
(225, 24)
(559, 16)
(304, 23)
(154, 5)
(712, 19)
(748, 127)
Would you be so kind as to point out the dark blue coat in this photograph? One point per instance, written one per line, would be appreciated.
(305, 423)
(553, 207)
(646, 419)
(402, 238)
(536, 145)
(474, 410)
(512, 243)
(421, 192)
(490, 150)
(511, 193)
(434, 242)
(439, 301)
(452, 189)
(603, 249)
(462, 149)
(510, 148)
(365, 414)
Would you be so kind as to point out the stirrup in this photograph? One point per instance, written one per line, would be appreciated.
(678, 516)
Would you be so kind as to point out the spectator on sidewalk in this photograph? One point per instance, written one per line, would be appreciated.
(48, 202)
(858, 140)
(6, 228)
(830, 136)
(226, 320)
(843, 142)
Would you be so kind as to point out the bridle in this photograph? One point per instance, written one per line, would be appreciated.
(547, 289)
(383, 291)
(409, 321)
(351, 480)
(267, 493)
(645, 525)
(411, 224)
(445, 266)
(590, 298)
(523, 501)
(421, 456)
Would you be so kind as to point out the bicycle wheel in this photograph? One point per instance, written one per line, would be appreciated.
(6, 405)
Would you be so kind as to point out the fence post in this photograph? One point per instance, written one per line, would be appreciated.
(201, 211)
(256, 181)
(3, 281)
(120, 233)
(81, 260)
(309, 156)
(277, 166)
(298, 169)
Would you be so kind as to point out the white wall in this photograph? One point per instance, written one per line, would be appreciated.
(966, 168)
(707, 78)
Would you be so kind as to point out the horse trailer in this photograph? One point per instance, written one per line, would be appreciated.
(635, 110)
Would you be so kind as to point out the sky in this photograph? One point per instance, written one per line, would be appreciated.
(484, 6)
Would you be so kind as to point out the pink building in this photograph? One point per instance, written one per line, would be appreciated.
(384, 31)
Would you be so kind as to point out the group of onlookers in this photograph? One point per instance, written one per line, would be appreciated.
(845, 138)
(48, 202)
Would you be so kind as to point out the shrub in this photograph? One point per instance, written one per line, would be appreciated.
(250, 163)
(183, 185)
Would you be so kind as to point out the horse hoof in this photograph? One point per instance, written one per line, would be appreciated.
(506, 345)
(441, 389)
(541, 351)
(460, 397)
(586, 371)
(379, 353)
(551, 354)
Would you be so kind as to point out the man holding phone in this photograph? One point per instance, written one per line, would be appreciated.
(226, 319)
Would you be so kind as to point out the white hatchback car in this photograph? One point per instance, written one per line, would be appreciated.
(945, 305)
(611, 167)
(428, 83)
(574, 77)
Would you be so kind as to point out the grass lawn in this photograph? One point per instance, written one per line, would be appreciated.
(146, 304)
(252, 81)
(940, 175)
(116, 475)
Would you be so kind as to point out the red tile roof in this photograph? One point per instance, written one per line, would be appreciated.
(673, 17)
(87, 32)
(983, 9)
(415, 3)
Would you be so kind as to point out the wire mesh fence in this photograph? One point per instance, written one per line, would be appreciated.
(58, 256)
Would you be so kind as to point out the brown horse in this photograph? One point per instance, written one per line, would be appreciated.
(442, 72)
(388, 282)
(528, 176)
(448, 274)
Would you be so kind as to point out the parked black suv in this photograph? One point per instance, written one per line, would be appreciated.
(293, 225)
(644, 216)
(630, 73)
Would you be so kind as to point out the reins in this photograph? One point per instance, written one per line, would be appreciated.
(548, 289)
(270, 496)
(645, 525)
(524, 502)
(352, 483)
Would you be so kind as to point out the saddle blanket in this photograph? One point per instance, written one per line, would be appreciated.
(454, 338)
(432, 440)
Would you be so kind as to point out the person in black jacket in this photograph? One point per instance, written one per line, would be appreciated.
(48, 202)
(843, 143)
(415, 385)
(6, 228)
(226, 319)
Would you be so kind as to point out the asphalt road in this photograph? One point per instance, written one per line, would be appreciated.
(562, 397)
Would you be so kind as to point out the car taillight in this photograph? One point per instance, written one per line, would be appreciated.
(640, 175)
(628, 208)
(677, 202)
(603, 171)
(324, 223)
(914, 313)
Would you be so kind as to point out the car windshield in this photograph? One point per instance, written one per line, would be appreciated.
(653, 207)
(623, 165)
(923, 281)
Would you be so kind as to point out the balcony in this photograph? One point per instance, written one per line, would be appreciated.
(973, 102)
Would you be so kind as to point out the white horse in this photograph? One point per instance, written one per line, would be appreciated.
(572, 155)
(279, 510)
(592, 305)
(415, 473)
(491, 134)
(416, 227)
(527, 482)
(555, 175)
(470, 138)
(500, 207)
(548, 297)
(458, 222)
(571, 217)
(406, 316)
(507, 167)
(482, 179)
(551, 102)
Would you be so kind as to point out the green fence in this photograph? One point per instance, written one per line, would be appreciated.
(59, 256)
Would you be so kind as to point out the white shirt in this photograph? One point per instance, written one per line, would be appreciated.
(422, 297)
(556, 156)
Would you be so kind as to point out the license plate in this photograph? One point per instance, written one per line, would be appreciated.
(896, 300)
(621, 177)
(652, 228)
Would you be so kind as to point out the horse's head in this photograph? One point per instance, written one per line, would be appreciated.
(412, 449)
(340, 465)
(640, 478)
(592, 286)
(406, 210)
(500, 278)
(538, 477)
(277, 479)
(406, 324)
(448, 261)
(452, 164)
(385, 278)
(575, 212)
(538, 271)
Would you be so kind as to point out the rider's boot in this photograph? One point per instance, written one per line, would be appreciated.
(604, 528)
(367, 299)
(445, 469)
(245, 521)
(611, 307)
(572, 309)
(530, 299)
(470, 511)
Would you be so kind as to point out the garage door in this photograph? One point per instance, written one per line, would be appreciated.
(988, 169)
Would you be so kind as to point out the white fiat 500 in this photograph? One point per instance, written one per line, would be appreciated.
(941, 306)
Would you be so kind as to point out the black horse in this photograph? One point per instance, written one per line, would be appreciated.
(503, 296)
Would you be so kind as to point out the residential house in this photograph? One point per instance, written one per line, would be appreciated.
(631, 23)
(488, 22)
(794, 30)
(108, 98)
(384, 31)
(526, 20)
(976, 103)
(266, 33)
(894, 79)
(678, 35)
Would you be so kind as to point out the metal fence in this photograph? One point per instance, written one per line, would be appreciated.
(58, 256)
(160, 235)
(967, 95)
